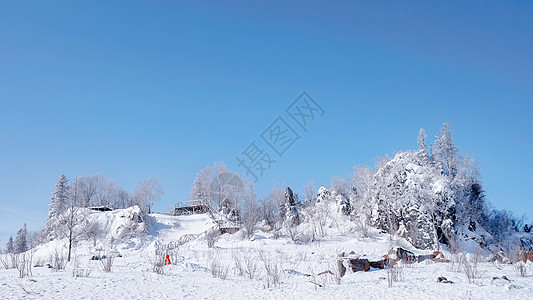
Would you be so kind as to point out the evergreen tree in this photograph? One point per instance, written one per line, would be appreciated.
(10, 248)
(59, 197)
(21, 243)
(422, 145)
(445, 152)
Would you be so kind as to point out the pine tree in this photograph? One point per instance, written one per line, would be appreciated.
(59, 197)
(445, 152)
(10, 248)
(422, 146)
(21, 243)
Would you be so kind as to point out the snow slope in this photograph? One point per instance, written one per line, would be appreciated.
(191, 274)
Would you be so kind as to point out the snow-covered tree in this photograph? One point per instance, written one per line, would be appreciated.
(422, 146)
(272, 206)
(87, 189)
(72, 222)
(147, 193)
(219, 186)
(445, 152)
(122, 199)
(21, 242)
(10, 247)
(323, 194)
(97, 190)
(105, 192)
(403, 199)
(310, 196)
(59, 197)
(250, 210)
(362, 204)
(200, 188)
(93, 231)
(340, 192)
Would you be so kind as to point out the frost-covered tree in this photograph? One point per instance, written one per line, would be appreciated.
(21, 241)
(97, 190)
(59, 197)
(340, 192)
(429, 199)
(402, 194)
(362, 202)
(220, 187)
(309, 194)
(273, 205)
(323, 195)
(225, 187)
(445, 152)
(250, 210)
(93, 231)
(422, 146)
(10, 247)
(147, 193)
(105, 191)
(200, 188)
(87, 189)
(471, 207)
(72, 222)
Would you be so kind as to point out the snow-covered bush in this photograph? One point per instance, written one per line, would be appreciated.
(394, 273)
(521, 268)
(212, 237)
(78, 270)
(23, 263)
(218, 270)
(158, 264)
(273, 269)
(246, 263)
(107, 262)
(470, 268)
(58, 259)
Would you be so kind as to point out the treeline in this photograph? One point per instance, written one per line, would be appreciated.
(430, 196)
(96, 190)
(20, 244)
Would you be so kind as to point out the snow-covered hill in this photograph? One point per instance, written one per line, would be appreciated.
(265, 266)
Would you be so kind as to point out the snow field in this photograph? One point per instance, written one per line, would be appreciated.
(264, 267)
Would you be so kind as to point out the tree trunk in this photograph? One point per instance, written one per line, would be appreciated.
(69, 245)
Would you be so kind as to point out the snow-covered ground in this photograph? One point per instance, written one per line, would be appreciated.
(262, 267)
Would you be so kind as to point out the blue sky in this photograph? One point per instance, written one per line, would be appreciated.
(164, 89)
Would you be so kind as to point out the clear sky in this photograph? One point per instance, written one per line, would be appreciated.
(137, 89)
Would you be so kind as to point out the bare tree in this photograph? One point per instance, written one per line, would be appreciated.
(310, 193)
(222, 188)
(86, 189)
(122, 199)
(100, 191)
(251, 210)
(271, 206)
(93, 230)
(147, 193)
(72, 221)
(105, 190)
(340, 186)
